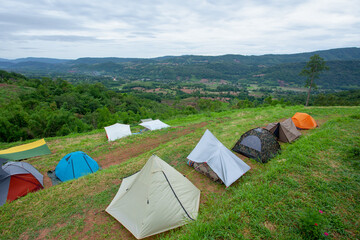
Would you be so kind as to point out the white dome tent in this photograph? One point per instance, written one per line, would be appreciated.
(117, 131)
(154, 125)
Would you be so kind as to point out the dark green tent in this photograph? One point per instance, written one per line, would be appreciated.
(258, 143)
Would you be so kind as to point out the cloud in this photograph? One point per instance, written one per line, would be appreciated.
(142, 28)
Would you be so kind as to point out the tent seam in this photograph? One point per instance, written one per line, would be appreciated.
(88, 164)
(177, 197)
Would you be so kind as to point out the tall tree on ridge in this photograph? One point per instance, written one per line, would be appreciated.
(312, 71)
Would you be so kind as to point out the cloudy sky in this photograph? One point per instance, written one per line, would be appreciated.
(150, 28)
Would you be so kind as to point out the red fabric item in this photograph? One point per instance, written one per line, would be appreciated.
(22, 184)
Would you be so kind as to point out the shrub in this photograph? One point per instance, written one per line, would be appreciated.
(313, 224)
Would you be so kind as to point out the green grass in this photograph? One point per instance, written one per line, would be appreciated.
(320, 171)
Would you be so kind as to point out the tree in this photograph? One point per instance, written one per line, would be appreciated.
(312, 71)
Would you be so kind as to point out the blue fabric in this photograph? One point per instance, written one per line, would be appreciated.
(75, 165)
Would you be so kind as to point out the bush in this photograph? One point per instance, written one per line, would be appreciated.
(313, 224)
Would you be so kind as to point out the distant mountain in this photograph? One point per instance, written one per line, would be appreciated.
(329, 55)
(269, 68)
(38, 60)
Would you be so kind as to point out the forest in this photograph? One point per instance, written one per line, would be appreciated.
(45, 107)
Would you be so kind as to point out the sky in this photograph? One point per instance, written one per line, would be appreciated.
(71, 29)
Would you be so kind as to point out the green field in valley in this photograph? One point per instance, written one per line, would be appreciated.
(277, 200)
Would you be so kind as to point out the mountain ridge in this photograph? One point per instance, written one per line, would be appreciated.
(330, 54)
(264, 70)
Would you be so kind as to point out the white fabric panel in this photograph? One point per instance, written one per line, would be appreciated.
(145, 203)
(220, 159)
(154, 125)
(117, 131)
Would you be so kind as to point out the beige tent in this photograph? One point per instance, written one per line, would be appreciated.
(285, 131)
(154, 200)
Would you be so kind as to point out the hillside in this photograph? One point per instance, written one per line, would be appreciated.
(236, 69)
(319, 171)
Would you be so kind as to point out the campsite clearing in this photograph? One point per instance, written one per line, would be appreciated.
(319, 171)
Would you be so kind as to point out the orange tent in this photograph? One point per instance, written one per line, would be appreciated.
(304, 121)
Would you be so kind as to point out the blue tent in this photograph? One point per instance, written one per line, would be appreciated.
(75, 165)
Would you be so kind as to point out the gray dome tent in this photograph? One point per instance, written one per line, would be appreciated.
(258, 143)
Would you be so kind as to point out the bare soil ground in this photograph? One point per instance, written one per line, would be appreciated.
(132, 150)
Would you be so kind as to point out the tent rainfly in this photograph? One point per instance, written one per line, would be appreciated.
(284, 131)
(24, 151)
(258, 143)
(154, 125)
(117, 131)
(146, 120)
(18, 179)
(156, 199)
(221, 160)
(303, 121)
(75, 165)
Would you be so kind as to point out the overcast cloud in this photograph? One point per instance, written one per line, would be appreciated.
(151, 28)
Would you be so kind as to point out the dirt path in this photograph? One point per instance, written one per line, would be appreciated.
(129, 151)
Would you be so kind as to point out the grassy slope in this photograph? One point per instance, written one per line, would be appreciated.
(316, 172)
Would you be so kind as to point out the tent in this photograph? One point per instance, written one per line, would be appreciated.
(284, 131)
(146, 120)
(221, 160)
(75, 165)
(257, 143)
(117, 131)
(155, 199)
(18, 179)
(304, 121)
(29, 150)
(205, 169)
(154, 125)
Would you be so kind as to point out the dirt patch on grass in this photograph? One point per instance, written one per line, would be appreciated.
(270, 226)
(43, 233)
(100, 225)
(128, 151)
(47, 180)
(24, 236)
